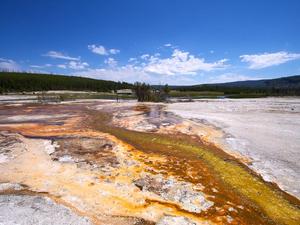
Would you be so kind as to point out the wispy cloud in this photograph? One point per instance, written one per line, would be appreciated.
(131, 73)
(127, 73)
(114, 51)
(8, 64)
(260, 61)
(41, 66)
(77, 65)
(179, 68)
(169, 45)
(182, 62)
(59, 55)
(133, 59)
(111, 62)
(74, 65)
(62, 66)
(101, 50)
(36, 66)
(145, 56)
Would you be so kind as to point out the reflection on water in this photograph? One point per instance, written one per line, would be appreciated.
(157, 116)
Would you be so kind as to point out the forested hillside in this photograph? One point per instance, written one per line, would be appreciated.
(283, 86)
(17, 82)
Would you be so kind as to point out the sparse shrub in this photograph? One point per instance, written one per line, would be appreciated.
(145, 93)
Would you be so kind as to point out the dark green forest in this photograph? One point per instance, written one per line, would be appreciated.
(284, 86)
(22, 82)
(18, 82)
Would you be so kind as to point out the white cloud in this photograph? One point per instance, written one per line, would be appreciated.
(36, 66)
(181, 63)
(145, 56)
(101, 50)
(59, 55)
(114, 51)
(74, 65)
(62, 66)
(264, 60)
(8, 65)
(153, 69)
(132, 59)
(131, 73)
(41, 66)
(111, 62)
(171, 46)
(77, 65)
(128, 73)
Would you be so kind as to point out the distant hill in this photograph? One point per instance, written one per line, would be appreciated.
(283, 82)
(279, 86)
(17, 82)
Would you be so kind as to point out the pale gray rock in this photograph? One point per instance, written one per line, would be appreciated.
(10, 146)
(174, 220)
(29, 210)
(10, 186)
(179, 192)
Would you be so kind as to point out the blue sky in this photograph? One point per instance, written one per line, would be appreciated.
(157, 41)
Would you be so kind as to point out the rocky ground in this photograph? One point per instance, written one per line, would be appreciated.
(26, 209)
(100, 162)
(264, 130)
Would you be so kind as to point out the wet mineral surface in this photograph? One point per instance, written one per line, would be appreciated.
(100, 162)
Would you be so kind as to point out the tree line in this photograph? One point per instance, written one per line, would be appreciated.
(268, 91)
(285, 86)
(29, 82)
(19, 82)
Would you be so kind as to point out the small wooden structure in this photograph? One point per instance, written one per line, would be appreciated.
(125, 92)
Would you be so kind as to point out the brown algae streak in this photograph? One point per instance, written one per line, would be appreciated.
(235, 183)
